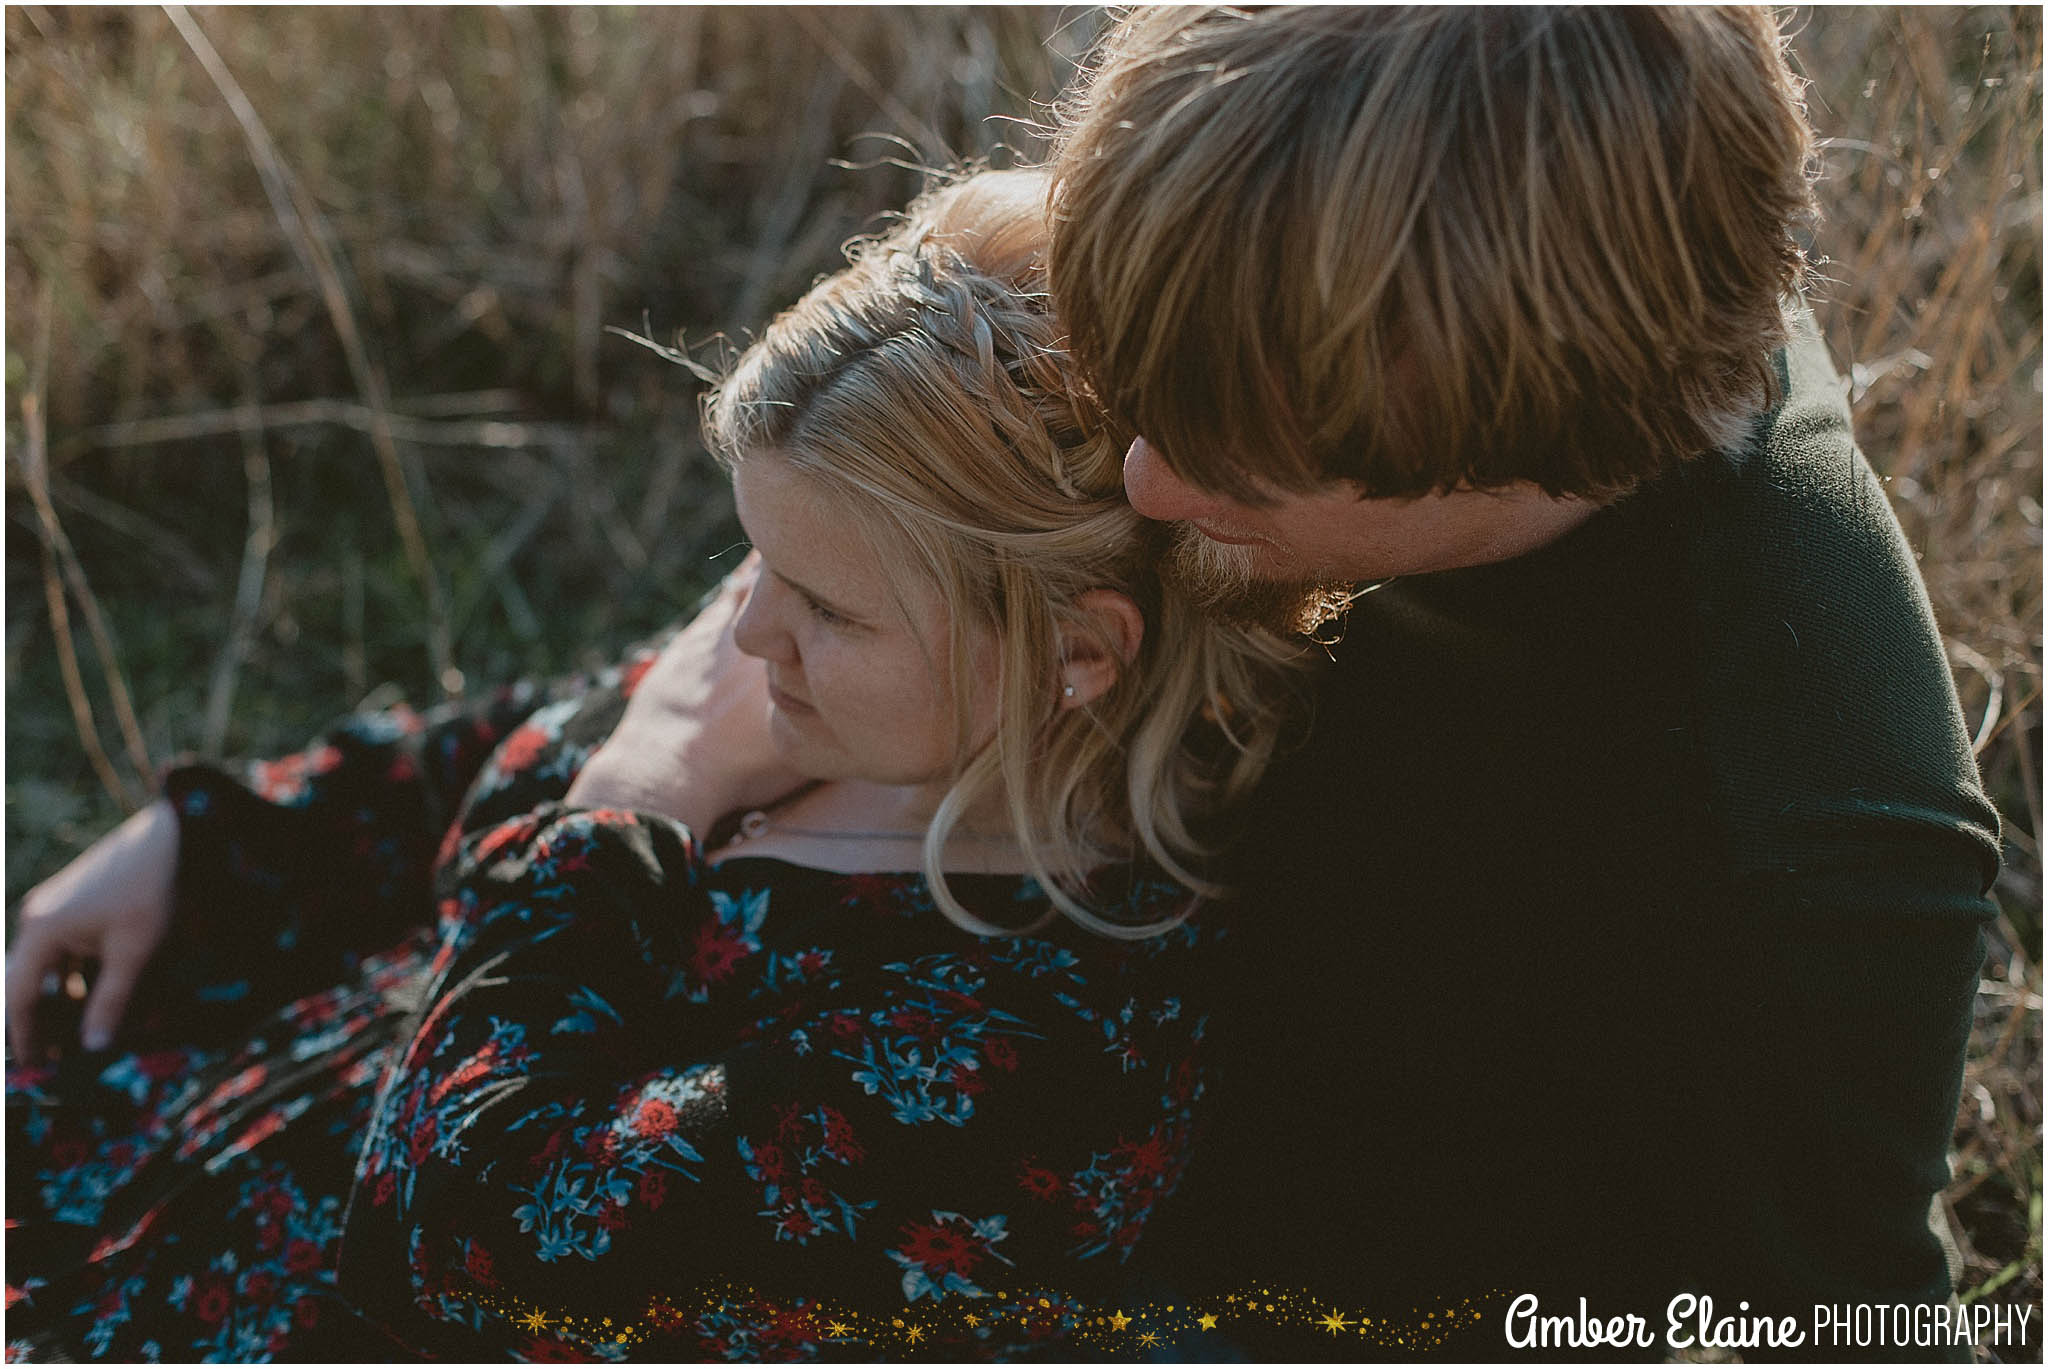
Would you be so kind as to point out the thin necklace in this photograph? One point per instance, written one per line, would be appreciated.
(758, 824)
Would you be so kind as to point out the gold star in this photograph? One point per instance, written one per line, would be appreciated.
(534, 1321)
(973, 1320)
(837, 1328)
(1119, 1321)
(1334, 1323)
(915, 1334)
(1207, 1321)
(1148, 1339)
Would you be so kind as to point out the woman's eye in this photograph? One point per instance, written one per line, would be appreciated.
(823, 614)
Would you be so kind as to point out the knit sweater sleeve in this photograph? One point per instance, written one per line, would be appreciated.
(1859, 849)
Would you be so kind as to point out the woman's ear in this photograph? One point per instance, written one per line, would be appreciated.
(1095, 652)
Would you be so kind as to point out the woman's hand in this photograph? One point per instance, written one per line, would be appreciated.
(694, 742)
(112, 904)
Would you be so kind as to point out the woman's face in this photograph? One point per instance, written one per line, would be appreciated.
(855, 659)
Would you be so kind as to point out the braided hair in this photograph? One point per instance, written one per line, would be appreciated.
(926, 387)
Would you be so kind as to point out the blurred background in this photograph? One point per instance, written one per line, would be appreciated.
(312, 399)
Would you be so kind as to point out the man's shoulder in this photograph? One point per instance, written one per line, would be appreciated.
(1824, 695)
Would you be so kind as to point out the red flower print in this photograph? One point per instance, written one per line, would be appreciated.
(269, 1233)
(797, 1224)
(843, 1025)
(814, 1192)
(538, 1351)
(869, 891)
(422, 1139)
(789, 1121)
(503, 835)
(810, 962)
(653, 1189)
(1039, 1182)
(556, 1144)
(212, 1301)
(955, 1001)
(790, 1324)
(948, 1248)
(654, 1117)
(301, 1257)
(158, 1065)
(306, 1312)
(387, 1185)
(477, 1261)
(915, 1021)
(839, 1139)
(768, 1161)
(612, 1217)
(714, 952)
(635, 671)
(1084, 1227)
(967, 1081)
(521, 749)
(1145, 1160)
(663, 1316)
(1001, 1052)
(260, 1287)
(600, 1145)
(450, 840)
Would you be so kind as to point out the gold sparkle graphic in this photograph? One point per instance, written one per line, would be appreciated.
(735, 1314)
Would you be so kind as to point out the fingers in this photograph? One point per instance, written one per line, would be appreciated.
(32, 956)
(108, 1002)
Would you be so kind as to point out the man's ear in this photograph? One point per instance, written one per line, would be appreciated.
(1095, 652)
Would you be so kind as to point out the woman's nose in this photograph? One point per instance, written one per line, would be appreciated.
(1155, 491)
(757, 630)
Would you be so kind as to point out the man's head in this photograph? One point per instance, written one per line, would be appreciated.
(1426, 261)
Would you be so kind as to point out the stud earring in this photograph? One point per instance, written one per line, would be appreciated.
(1069, 691)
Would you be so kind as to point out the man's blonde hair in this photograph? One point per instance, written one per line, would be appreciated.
(1427, 249)
(924, 388)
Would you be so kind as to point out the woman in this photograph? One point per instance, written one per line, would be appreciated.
(857, 979)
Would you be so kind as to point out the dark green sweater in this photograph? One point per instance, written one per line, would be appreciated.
(1615, 934)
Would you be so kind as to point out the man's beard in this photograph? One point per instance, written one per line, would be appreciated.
(1219, 578)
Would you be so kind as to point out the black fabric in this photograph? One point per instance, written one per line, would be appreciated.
(1615, 933)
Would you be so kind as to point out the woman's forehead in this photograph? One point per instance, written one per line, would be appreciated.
(814, 537)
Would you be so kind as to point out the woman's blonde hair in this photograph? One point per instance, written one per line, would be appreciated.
(925, 387)
(1434, 247)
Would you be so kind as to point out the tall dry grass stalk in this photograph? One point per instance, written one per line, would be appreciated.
(1931, 248)
(359, 271)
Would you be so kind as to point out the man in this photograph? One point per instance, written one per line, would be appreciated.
(1615, 933)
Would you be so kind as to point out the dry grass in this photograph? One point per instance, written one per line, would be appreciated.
(311, 396)
(1931, 246)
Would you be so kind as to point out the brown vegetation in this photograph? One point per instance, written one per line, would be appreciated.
(311, 396)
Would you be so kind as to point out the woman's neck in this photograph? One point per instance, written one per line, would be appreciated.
(856, 826)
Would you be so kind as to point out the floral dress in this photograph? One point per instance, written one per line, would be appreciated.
(435, 1066)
